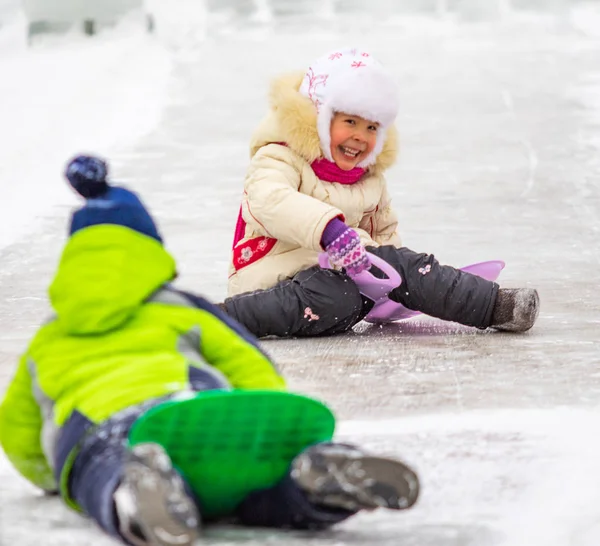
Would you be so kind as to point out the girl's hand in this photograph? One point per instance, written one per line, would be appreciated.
(346, 251)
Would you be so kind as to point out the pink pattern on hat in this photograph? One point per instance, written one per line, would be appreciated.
(313, 83)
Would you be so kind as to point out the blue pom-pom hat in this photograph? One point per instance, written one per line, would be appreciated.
(106, 204)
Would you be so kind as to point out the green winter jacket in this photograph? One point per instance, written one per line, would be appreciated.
(120, 336)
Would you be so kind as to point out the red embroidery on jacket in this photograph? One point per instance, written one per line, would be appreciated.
(251, 251)
(240, 226)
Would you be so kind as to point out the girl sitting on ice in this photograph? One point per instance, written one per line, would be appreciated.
(316, 183)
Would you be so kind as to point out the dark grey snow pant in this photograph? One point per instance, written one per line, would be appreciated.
(318, 302)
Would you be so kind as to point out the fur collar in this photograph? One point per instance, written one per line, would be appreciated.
(293, 119)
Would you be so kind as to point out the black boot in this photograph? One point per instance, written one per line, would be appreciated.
(151, 503)
(515, 310)
(343, 476)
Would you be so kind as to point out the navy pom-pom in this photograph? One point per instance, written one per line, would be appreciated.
(87, 175)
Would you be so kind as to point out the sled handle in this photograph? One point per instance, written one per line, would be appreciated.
(370, 286)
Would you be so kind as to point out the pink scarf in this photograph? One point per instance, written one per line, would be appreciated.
(325, 170)
(328, 171)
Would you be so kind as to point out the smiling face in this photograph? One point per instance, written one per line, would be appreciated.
(352, 139)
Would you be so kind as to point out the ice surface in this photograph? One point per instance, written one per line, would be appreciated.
(500, 126)
(75, 96)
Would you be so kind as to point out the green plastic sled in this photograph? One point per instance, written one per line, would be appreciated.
(229, 443)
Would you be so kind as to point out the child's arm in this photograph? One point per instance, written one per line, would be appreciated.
(230, 348)
(382, 224)
(273, 203)
(21, 430)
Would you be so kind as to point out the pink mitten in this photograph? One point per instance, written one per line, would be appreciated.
(347, 251)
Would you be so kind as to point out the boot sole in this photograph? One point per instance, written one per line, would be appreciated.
(367, 481)
(157, 489)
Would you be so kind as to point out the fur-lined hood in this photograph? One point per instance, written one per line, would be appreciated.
(293, 119)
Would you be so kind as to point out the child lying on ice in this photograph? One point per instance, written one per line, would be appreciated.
(124, 349)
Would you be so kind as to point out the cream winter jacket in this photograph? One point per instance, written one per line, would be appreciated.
(286, 207)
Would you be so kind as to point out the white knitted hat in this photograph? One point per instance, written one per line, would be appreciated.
(352, 82)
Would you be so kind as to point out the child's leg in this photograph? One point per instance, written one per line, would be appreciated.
(445, 292)
(96, 473)
(438, 290)
(286, 506)
(315, 302)
(327, 484)
(107, 481)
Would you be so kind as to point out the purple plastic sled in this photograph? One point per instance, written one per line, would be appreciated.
(386, 310)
